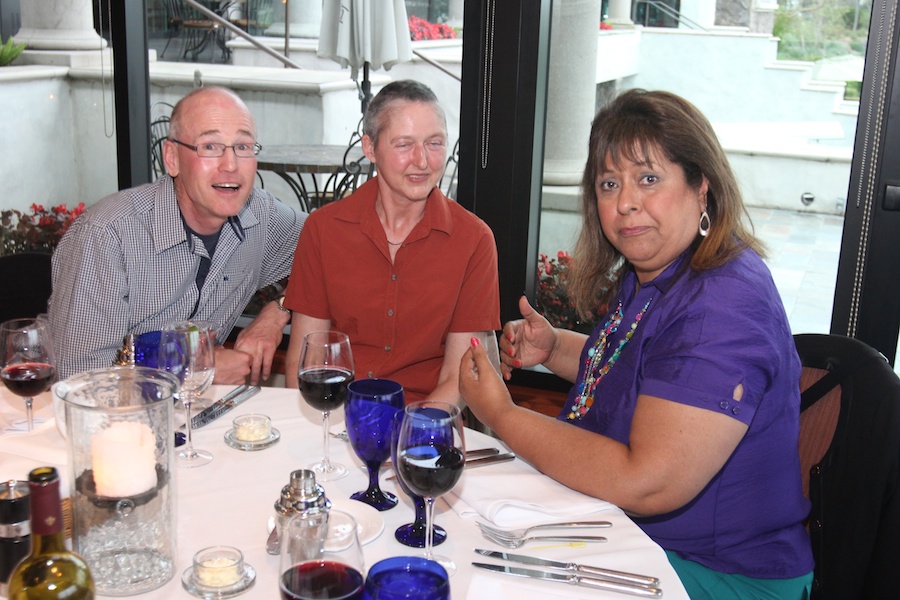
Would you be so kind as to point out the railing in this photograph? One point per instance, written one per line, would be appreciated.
(217, 18)
(666, 10)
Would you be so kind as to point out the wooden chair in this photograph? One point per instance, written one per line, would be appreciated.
(850, 460)
(26, 287)
(257, 16)
(195, 30)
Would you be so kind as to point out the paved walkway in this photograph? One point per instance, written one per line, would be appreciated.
(803, 255)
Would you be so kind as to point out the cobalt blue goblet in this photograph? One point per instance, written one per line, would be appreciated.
(413, 534)
(369, 415)
(407, 578)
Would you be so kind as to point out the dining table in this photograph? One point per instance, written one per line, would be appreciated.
(316, 173)
(231, 502)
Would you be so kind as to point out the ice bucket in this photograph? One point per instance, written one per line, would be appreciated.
(120, 444)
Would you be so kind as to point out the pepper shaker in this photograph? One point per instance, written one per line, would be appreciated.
(15, 528)
(302, 496)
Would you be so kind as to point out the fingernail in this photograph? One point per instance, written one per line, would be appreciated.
(474, 341)
(518, 363)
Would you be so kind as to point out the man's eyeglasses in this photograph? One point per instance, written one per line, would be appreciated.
(212, 150)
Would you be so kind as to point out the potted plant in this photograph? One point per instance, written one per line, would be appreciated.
(553, 296)
(38, 231)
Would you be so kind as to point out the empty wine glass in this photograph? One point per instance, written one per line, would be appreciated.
(326, 369)
(369, 414)
(186, 351)
(321, 557)
(27, 361)
(413, 534)
(431, 453)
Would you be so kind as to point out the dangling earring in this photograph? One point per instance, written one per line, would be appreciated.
(705, 224)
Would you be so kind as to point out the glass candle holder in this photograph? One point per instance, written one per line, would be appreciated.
(218, 566)
(252, 428)
(120, 442)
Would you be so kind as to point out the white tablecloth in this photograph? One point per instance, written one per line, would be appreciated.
(229, 501)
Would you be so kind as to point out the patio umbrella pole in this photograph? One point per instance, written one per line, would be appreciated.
(366, 88)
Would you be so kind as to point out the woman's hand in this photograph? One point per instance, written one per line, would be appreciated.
(526, 342)
(480, 386)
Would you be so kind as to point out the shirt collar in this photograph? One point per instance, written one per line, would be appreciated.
(437, 211)
(168, 228)
(665, 280)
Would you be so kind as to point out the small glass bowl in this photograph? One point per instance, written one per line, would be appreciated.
(218, 572)
(252, 428)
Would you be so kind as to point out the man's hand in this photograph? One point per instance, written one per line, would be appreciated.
(260, 339)
(232, 366)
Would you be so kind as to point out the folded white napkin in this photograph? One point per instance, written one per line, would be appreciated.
(514, 494)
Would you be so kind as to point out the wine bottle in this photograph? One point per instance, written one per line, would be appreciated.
(49, 571)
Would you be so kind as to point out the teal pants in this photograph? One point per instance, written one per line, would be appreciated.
(703, 583)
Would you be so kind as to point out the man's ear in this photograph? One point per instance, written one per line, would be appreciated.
(170, 158)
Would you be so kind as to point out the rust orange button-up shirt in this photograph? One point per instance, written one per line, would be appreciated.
(444, 278)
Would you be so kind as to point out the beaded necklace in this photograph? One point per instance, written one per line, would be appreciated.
(593, 371)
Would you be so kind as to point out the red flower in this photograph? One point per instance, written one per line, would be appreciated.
(39, 231)
(420, 29)
(553, 298)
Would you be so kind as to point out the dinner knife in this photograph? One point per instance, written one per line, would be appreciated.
(223, 405)
(575, 579)
(477, 453)
(471, 463)
(598, 572)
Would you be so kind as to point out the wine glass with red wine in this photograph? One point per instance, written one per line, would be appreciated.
(321, 558)
(326, 369)
(27, 361)
(431, 453)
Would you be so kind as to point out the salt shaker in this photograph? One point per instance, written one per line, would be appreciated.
(304, 497)
(15, 528)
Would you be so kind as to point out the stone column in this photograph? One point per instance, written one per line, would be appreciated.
(58, 25)
(762, 16)
(620, 13)
(305, 16)
(572, 89)
(455, 13)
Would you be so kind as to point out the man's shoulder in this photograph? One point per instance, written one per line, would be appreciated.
(122, 205)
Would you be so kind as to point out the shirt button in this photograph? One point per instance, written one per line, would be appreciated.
(393, 277)
(390, 312)
(387, 348)
(371, 373)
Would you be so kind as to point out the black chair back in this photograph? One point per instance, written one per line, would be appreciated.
(854, 488)
(26, 285)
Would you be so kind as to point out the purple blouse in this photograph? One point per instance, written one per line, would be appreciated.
(702, 335)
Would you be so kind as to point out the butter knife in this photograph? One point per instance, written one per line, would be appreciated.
(575, 579)
(223, 405)
(471, 463)
(598, 572)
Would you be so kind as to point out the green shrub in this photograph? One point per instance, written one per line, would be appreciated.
(10, 51)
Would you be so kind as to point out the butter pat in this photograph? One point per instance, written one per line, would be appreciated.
(219, 566)
(123, 458)
(252, 428)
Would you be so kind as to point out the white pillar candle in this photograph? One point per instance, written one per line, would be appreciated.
(123, 457)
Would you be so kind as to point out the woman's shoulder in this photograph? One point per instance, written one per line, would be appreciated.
(466, 219)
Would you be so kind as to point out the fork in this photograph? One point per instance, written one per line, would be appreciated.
(520, 533)
(518, 542)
